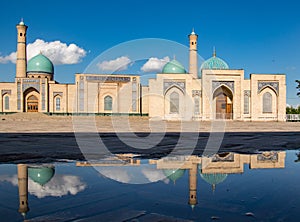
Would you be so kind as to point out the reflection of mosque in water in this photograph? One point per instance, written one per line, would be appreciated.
(214, 170)
(38, 174)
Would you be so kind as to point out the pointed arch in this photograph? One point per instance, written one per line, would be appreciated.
(6, 102)
(172, 87)
(223, 100)
(31, 100)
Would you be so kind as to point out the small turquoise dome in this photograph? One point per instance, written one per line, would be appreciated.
(173, 67)
(41, 64)
(214, 63)
(214, 178)
(41, 175)
(173, 174)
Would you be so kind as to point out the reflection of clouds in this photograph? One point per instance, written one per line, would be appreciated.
(115, 173)
(59, 185)
(154, 175)
(13, 179)
(140, 175)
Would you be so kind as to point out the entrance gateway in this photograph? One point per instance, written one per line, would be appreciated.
(32, 104)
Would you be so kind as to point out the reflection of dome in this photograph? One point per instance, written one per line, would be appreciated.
(40, 64)
(174, 67)
(41, 174)
(214, 63)
(173, 174)
(214, 178)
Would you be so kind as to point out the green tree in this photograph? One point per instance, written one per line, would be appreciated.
(298, 87)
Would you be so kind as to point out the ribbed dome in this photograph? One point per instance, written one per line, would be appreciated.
(214, 63)
(41, 64)
(173, 174)
(174, 67)
(214, 178)
(41, 175)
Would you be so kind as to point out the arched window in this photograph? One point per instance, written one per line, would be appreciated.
(6, 102)
(57, 104)
(108, 103)
(267, 103)
(174, 102)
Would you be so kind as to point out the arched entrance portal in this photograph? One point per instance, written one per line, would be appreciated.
(224, 103)
(31, 100)
(32, 104)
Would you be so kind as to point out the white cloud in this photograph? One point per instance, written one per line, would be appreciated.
(58, 186)
(10, 58)
(57, 51)
(117, 64)
(155, 64)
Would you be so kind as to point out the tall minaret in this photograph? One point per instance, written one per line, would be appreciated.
(23, 189)
(21, 63)
(193, 185)
(193, 69)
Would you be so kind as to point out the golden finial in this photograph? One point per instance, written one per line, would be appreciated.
(214, 52)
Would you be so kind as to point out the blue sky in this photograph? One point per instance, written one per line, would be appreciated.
(258, 36)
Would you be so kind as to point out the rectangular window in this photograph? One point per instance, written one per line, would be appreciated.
(246, 104)
(6, 103)
(57, 104)
(197, 109)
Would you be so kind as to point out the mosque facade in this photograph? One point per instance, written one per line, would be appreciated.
(206, 92)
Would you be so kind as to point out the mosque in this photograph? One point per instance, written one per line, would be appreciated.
(206, 92)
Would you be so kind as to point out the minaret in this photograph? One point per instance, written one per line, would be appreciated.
(21, 63)
(193, 69)
(23, 189)
(193, 185)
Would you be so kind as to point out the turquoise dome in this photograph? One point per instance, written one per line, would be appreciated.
(214, 178)
(173, 174)
(41, 175)
(173, 67)
(214, 63)
(40, 63)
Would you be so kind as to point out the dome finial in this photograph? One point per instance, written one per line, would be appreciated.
(193, 31)
(22, 22)
(214, 52)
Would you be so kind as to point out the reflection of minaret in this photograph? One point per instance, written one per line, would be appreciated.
(23, 189)
(193, 185)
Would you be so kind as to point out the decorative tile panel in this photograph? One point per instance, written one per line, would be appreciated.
(58, 94)
(197, 93)
(268, 157)
(19, 95)
(28, 83)
(273, 84)
(247, 93)
(228, 158)
(178, 83)
(5, 91)
(81, 94)
(216, 84)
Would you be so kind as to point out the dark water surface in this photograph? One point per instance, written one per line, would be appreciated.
(224, 187)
